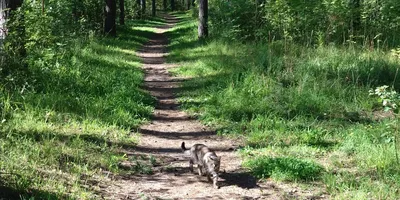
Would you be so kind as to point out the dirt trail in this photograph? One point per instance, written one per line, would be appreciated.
(162, 138)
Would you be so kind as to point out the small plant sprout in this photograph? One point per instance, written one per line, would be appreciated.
(390, 100)
(153, 160)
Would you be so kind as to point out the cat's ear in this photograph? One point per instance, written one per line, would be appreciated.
(214, 158)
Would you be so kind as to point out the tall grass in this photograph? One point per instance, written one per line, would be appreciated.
(292, 101)
(62, 133)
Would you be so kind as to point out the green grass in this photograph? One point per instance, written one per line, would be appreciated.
(304, 111)
(63, 132)
(284, 168)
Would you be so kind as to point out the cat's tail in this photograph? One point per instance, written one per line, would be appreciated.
(185, 151)
(183, 147)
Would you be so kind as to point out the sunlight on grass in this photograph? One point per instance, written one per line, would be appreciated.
(297, 107)
(65, 137)
(284, 168)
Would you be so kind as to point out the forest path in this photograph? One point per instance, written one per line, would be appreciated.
(162, 137)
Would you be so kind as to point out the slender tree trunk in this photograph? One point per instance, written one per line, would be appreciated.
(188, 2)
(75, 11)
(165, 5)
(43, 6)
(17, 40)
(3, 17)
(143, 6)
(14, 4)
(193, 2)
(139, 8)
(122, 12)
(356, 16)
(110, 14)
(153, 7)
(172, 5)
(203, 18)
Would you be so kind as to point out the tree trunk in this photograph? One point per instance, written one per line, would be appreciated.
(110, 14)
(122, 12)
(172, 5)
(14, 4)
(139, 8)
(75, 11)
(143, 6)
(153, 7)
(193, 2)
(17, 41)
(259, 2)
(3, 15)
(43, 7)
(165, 5)
(188, 2)
(356, 16)
(203, 18)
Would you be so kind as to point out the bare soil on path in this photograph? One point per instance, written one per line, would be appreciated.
(162, 137)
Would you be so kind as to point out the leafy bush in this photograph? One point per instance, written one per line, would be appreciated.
(389, 99)
(292, 103)
(370, 22)
(67, 122)
(284, 168)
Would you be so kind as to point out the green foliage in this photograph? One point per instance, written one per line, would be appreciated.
(284, 168)
(73, 82)
(142, 164)
(293, 103)
(370, 23)
(62, 132)
(388, 99)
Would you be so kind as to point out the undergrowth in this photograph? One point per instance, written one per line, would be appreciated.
(284, 168)
(305, 111)
(62, 131)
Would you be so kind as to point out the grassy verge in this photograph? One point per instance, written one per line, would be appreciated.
(62, 133)
(305, 112)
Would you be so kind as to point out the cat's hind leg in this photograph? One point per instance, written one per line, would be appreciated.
(191, 165)
(201, 170)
